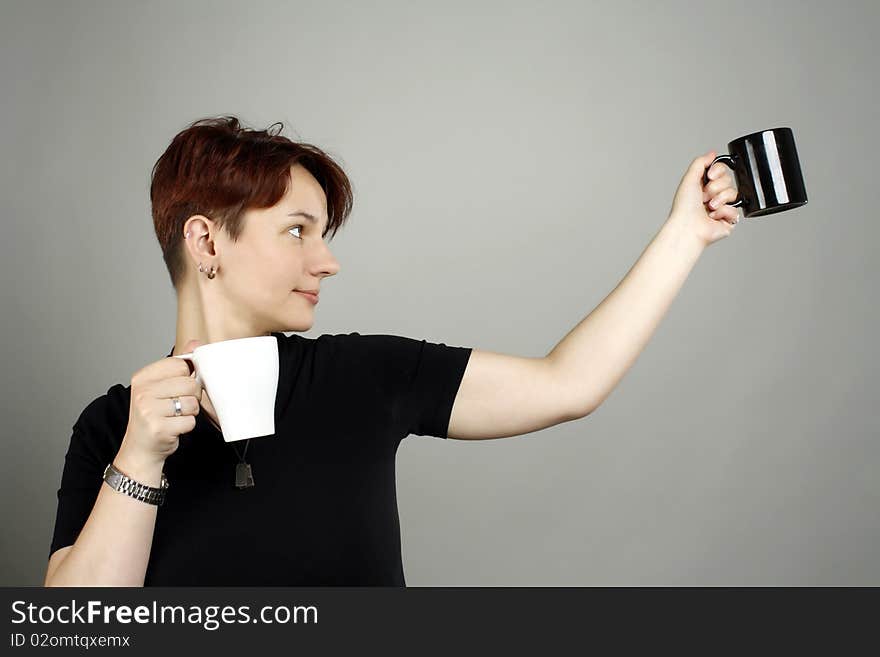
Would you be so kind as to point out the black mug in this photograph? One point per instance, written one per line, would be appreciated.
(767, 171)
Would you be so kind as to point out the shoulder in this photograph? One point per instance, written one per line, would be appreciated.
(392, 358)
(107, 406)
(325, 346)
(350, 354)
(101, 425)
(376, 356)
(354, 349)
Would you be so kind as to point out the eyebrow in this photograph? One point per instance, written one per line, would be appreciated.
(303, 213)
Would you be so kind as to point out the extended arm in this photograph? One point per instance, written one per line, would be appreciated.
(508, 395)
(593, 357)
(503, 395)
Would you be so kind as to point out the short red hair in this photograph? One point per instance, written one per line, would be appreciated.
(217, 168)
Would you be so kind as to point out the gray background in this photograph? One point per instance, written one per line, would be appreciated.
(510, 163)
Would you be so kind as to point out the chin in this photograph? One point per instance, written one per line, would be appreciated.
(302, 324)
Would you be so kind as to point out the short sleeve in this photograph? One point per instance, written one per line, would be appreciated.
(418, 379)
(438, 371)
(81, 482)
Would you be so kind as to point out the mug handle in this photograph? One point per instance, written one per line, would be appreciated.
(189, 357)
(727, 160)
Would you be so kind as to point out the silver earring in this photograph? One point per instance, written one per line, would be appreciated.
(210, 274)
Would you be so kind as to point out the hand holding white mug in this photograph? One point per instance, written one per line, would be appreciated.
(241, 376)
(153, 430)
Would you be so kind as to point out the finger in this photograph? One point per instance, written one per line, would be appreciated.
(699, 164)
(189, 405)
(727, 194)
(162, 369)
(713, 187)
(716, 170)
(726, 213)
(176, 386)
(713, 173)
(188, 348)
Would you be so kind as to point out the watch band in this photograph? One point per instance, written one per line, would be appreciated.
(121, 482)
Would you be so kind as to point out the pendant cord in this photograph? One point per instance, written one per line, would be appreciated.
(241, 457)
(246, 444)
(243, 476)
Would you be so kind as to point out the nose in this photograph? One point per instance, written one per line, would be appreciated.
(328, 264)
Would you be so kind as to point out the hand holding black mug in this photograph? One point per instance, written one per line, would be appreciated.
(767, 171)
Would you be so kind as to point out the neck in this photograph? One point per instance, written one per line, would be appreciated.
(207, 316)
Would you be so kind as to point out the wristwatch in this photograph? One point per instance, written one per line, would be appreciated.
(125, 484)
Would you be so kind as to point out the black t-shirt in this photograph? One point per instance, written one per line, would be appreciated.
(323, 508)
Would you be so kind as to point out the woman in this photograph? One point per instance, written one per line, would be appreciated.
(241, 215)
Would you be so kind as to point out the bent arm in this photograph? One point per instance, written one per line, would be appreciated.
(113, 548)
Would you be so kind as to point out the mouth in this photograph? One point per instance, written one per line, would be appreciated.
(311, 296)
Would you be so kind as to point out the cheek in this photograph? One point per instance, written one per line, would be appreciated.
(264, 282)
(273, 267)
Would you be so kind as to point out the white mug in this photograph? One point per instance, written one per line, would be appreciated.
(241, 378)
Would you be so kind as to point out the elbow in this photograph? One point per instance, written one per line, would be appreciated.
(582, 411)
(51, 581)
(591, 407)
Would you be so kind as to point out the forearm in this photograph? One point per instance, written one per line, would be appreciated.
(113, 548)
(593, 357)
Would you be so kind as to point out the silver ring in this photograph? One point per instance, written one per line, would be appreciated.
(177, 407)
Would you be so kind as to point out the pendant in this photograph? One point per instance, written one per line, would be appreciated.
(243, 476)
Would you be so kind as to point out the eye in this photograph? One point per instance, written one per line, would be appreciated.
(297, 226)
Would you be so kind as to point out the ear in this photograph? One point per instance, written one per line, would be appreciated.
(198, 237)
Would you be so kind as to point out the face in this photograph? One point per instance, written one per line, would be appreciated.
(277, 252)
